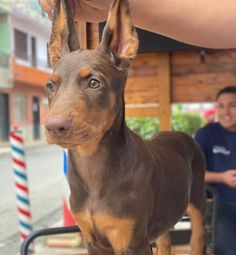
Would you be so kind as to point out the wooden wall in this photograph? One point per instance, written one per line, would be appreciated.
(158, 79)
(197, 79)
(193, 78)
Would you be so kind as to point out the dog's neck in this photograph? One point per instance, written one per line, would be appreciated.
(110, 152)
(114, 136)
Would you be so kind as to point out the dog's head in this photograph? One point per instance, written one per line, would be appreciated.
(85, 90)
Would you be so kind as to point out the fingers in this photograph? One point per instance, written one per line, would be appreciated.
(50, 14)
(230, 178)
(232, 173)
(92, 10)
(47, 6)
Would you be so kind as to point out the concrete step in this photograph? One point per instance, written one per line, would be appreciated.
(64, 244)
(60, 251)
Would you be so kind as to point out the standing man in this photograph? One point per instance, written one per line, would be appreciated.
(218, 142)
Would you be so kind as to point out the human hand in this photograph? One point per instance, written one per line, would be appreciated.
(84, 10)
(92, 10)
(229, 178)
(47, 6)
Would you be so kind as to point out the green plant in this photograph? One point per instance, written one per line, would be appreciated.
(147, 127)
(186, 122)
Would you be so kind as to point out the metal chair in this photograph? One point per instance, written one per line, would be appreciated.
(45, 232)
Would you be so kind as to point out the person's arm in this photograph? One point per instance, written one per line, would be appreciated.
(206, 23)
(228, 177)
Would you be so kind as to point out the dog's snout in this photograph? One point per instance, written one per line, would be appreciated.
(58, 125)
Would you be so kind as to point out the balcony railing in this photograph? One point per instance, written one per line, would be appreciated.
(4, 60)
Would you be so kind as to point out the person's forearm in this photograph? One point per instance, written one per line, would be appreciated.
(211, 177)
(206, 23)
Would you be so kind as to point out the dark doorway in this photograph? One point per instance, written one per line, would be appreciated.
(36, 118)
(4, 117)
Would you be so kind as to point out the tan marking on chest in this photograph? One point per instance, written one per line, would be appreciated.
(119, 231)
(85, 222)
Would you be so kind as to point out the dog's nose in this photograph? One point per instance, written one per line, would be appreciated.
(58, 125)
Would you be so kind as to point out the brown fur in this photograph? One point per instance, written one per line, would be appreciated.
(125, 192)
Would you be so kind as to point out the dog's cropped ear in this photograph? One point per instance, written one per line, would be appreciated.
(119, 36)
(63, 36)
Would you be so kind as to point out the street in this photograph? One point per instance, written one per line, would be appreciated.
(47, 187)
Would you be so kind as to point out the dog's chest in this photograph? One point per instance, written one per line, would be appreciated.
(117, 230)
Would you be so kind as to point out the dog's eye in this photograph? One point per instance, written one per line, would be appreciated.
(50, 87)
(94, 84)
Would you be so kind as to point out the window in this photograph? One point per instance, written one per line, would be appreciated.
(33, 51)
(21, 44)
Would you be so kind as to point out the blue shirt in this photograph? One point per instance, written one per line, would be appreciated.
(219, 147)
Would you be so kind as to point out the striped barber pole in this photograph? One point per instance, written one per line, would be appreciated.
(67, 216)
(21, 183)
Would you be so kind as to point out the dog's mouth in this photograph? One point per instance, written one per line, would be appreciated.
(75, 136)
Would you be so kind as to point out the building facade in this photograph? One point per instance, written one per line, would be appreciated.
(24, 68)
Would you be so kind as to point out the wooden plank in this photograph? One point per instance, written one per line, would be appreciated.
(200, 87)
(163, 79)
(141, 90)
(88, 34)
(82, 34)
(92, 35)
(191, 80)
(220, 56)
(142, 110)
(210, 56)
(185, 57)
(204, 78)
(181, 70)
(144, 65)
(204, 93)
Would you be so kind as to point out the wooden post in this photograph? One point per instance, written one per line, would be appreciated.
(88, 34)
(163, 80)
(82, 34)
(92, 35)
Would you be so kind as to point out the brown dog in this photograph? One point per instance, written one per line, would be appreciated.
(125, 192)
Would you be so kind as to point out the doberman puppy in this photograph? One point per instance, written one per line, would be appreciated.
(125, 192)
